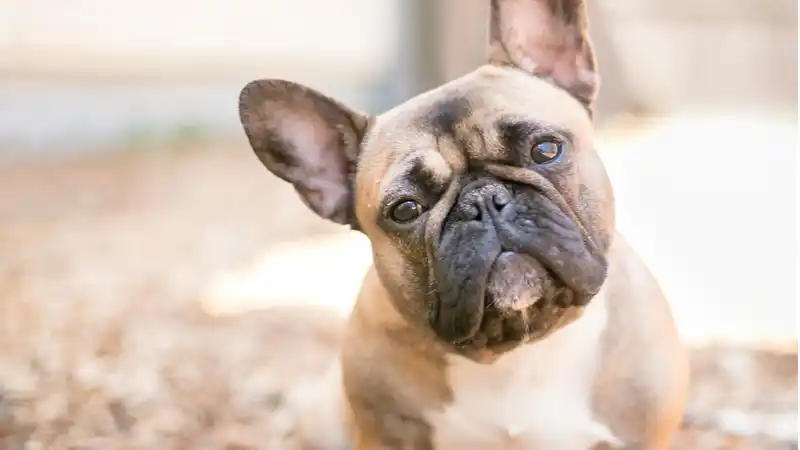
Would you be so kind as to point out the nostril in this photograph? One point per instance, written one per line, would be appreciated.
(501, 199)
(475, 201)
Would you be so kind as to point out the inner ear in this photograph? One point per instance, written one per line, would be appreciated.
(307, 139)
(548, 39)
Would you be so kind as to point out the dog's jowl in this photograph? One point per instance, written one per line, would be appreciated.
(503, 310)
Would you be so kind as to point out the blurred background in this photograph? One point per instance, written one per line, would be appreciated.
(140, 239)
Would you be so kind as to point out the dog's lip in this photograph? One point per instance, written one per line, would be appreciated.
(518, 304)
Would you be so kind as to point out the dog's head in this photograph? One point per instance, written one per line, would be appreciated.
(487, 207)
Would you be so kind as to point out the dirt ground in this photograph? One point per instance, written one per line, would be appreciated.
(103, 345)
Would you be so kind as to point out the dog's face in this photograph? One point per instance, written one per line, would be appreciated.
(487, 207)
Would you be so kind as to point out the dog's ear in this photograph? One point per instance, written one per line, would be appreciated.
(307, 139)
(548, 39)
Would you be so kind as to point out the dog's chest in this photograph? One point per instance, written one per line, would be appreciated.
(537, 396)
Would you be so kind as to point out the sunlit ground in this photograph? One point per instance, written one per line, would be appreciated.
(108, 263)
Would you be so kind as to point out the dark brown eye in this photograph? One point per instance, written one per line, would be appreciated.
(546, 151)
(405, 211)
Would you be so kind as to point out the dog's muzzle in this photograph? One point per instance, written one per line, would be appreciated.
(506, 247)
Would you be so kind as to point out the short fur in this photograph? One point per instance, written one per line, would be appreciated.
(509, 313)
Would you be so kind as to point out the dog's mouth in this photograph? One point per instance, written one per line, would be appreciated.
(523, 302)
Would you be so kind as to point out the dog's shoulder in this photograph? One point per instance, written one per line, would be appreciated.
(642, 381)
(390, 373)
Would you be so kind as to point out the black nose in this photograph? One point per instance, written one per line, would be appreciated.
(479, 196)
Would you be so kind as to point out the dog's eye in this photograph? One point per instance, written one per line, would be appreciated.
(405, 211)
(546, 151)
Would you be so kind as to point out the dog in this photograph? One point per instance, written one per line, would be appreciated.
(502, 310)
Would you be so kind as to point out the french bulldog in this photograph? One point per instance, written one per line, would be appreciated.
(502, 310)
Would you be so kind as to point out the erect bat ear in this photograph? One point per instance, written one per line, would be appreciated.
(548, 39)
(307, 139)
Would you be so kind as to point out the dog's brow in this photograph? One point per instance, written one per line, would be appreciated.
(445, 114)
(517, 132)
(420, 174)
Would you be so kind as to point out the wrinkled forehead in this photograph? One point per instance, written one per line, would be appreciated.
(468, 115)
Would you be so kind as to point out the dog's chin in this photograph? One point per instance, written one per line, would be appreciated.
(524, 302)
(517, 282)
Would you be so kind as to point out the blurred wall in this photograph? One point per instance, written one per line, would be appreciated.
(98, 71)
